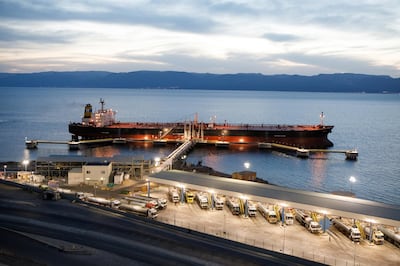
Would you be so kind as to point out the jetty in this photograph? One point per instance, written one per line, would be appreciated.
(305, 153)
(73, 145)
(188, 143)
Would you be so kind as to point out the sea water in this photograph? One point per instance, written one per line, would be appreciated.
(369, 123)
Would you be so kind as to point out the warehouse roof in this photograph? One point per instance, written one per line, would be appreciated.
(320, 202)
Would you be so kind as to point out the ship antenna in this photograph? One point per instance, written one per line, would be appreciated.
(102, 104)
(322, 116)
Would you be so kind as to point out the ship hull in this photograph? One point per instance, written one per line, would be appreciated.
(304, 136)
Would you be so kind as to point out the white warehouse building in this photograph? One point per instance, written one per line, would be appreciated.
(90, 174)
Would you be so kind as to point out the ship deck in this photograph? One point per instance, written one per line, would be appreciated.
(258, 127)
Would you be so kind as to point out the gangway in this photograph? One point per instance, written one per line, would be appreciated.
(361, 229)
(314, 216)
(167, 163)
(277, 212)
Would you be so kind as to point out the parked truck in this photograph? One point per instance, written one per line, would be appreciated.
(289, 217)
(268, 214)
(202, 200)
(139, 210)
(189, 196)
(306, 221)
(219, 203)
(377, 236)
(233, 206)
(174, 195)
(351, 231)
(50, 194)
(83, 195)
(252, 209)
(390, 235)
(103, 201)
(161, 203)
(139, 201)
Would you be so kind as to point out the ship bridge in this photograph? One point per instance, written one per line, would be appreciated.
(320, 202)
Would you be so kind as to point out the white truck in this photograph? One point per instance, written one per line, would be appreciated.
(233, 205)
(83, 195)
(252, 209)
(268, 214)
(377, 236)
(202, 200)
(139, 210)
(306, 221)
(149, 203)
(351, 231)
(391, 235)
(289, 217)
(174, 195)
(219, 203)
(162, 202)
(103, 201)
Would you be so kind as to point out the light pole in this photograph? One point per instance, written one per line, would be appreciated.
(352, 180)
(25, 163)
(5, 170)
(148, 187)
(284, 238)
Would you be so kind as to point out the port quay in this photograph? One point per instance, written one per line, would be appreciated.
(294, 210)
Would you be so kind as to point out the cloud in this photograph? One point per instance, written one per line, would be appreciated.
(280, 37)
(9, 34)
(201, 36)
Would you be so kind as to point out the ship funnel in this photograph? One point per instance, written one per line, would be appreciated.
(88, 111)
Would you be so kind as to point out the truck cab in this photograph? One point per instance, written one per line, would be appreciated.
(289, 218)
(219, 203)
(189, 196)
(271, 217)
(355, 234)
(313, 226)
(252, 210)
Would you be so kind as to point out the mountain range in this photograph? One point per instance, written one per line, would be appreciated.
(343, 82)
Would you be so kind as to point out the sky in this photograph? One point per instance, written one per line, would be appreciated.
(304, 37)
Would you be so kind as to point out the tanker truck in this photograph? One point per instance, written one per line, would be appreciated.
(268, 214)
(390, 235)
(306, 221)
(233, 206)
(103, 201)
(377, 236)
(139, 210)
(351, 231)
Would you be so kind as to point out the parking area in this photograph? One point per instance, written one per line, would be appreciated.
(330, 247)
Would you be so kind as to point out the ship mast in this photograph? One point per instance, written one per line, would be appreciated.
(102, 104)
(321, 116)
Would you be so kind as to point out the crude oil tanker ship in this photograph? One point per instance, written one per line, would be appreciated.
(102, 124)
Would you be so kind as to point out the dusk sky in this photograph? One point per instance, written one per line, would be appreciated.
(240, 36)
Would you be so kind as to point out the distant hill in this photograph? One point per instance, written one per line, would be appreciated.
(184, 80)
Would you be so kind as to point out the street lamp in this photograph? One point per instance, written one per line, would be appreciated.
(5, 170)
(352, 180)
(25, 163)
(148, 187)
(247, 165)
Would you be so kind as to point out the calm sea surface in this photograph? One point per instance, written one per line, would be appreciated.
(368, 122)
